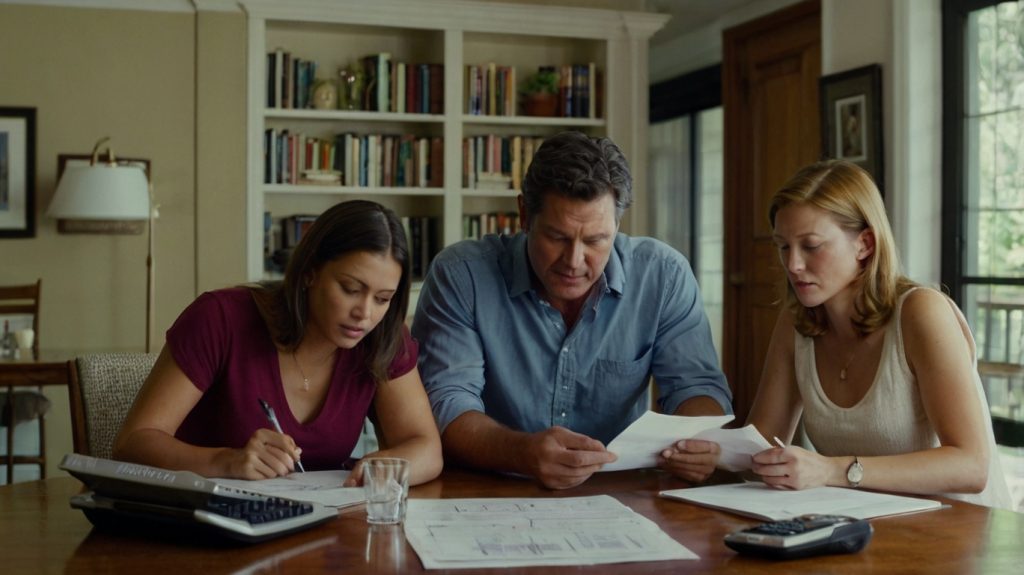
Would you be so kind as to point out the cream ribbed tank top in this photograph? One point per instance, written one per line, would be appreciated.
(890, 418)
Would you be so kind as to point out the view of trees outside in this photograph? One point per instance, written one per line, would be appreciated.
(994, 211)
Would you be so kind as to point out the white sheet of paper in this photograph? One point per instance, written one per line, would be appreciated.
(516, 532)
(639, 444)
(738, 446)
(317, 486)
(761, 501)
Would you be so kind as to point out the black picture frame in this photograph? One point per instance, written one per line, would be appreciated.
(17, 172)
(851, 119)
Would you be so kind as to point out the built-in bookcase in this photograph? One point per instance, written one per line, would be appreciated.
(453, 34)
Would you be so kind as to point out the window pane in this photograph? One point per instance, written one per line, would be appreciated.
(995, 58)
(996, 316)
(994, 198)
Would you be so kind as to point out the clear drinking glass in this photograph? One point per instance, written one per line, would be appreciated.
(386, 481)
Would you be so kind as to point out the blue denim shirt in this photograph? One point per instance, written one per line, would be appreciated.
(489, 343)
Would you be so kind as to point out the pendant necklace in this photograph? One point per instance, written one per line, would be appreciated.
(842, 372)
(305, 380)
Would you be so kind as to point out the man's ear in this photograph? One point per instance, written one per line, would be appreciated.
(866, 239)
(524, 218)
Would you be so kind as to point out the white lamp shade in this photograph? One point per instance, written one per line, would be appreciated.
(101, 192)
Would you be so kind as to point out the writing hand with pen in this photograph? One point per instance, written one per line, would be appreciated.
(268, 453)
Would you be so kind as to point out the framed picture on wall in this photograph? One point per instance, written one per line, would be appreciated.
(17, 172)
(851, 119)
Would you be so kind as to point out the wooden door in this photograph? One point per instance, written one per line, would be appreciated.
(770, 96)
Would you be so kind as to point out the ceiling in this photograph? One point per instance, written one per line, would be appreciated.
(689, 15)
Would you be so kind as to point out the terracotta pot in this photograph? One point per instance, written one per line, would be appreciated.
(540, 104)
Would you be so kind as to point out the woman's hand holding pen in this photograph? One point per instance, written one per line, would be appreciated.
(794, 468)
(267, 454)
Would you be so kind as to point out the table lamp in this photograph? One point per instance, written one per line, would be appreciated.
(106, 197)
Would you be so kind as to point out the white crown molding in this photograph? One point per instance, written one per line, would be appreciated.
(217, 5)
(496, 17)
(145, 5)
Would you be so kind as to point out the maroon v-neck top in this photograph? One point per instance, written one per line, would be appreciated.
(223, 345)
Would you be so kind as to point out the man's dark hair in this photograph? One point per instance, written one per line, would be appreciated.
(574, 165)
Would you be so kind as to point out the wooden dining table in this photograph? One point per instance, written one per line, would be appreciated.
(41, 533)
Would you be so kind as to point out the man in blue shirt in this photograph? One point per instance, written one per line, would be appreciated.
(536, 349)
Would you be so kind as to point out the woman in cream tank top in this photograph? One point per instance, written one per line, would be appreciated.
(883, 372)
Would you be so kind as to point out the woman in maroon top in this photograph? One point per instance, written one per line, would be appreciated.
(325, 348)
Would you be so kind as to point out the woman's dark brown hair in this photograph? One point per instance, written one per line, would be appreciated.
(353, 226)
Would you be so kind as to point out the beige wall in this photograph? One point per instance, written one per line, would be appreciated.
(133, 76)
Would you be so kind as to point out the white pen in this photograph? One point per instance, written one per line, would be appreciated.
(277, 426)
(779, 441)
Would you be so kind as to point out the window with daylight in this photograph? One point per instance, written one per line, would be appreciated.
(983, 193)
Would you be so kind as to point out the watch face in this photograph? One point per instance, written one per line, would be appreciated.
(855, 473)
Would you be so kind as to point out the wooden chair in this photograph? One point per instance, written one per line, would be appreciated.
(103, 387)
(23, 300)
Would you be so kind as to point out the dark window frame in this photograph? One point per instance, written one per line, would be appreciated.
(954, 153)
(688, 95)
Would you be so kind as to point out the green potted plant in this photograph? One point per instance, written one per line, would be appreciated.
(540, 92)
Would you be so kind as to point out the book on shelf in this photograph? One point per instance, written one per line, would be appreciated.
(294, 227)
(497, 162)
(475, 226)
(424, 241)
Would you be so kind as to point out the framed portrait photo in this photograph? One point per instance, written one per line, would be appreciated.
(17, 172)
(851, 119)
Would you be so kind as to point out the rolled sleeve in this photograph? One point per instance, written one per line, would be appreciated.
(685, 363)
(451, 357)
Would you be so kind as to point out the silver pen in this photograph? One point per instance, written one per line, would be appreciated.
(277, 426)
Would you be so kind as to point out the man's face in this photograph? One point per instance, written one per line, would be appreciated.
(568, 244)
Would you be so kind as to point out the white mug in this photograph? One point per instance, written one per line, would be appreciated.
(25, 338)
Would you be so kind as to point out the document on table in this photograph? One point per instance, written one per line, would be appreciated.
(317, 486)
(762, 501)
(639, 444)
(514, 532)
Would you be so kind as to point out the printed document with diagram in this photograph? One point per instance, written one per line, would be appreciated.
(639, 444)
(518, 532)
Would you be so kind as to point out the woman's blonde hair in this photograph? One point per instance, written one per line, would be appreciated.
(848, 194)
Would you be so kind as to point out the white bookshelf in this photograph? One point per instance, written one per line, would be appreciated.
(456, 33)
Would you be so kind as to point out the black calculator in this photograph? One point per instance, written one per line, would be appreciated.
(802, 536)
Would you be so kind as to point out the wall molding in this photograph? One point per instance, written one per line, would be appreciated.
(144, 5)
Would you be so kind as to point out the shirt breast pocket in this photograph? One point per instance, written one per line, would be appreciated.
(614, 386)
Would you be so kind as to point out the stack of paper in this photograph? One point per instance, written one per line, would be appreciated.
(509, 532)
(322, 487)
(771, 504)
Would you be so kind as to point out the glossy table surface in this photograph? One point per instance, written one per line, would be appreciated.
(40, 533)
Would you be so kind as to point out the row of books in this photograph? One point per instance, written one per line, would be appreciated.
(497, 162)
(491, 90)
(363, 160)
(281, 235)
(373, 83)
(475, 226)
(392, 86)
(289, 80)
(579, 91)
(423, 234)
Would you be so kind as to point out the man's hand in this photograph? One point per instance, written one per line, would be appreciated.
(690, 459)
(560, 458)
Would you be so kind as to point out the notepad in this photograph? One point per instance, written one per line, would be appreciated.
(322, 487)
(764, 502)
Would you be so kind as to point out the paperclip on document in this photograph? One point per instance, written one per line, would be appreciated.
(132, 497)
